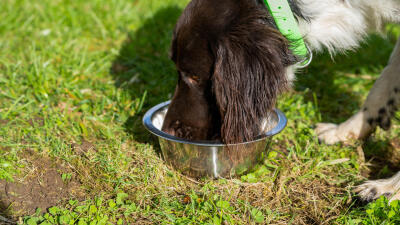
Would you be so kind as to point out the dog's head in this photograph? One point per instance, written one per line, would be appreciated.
(231, 62)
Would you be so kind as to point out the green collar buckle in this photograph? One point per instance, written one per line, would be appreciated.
(287, 25)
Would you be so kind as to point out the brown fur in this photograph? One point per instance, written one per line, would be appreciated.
(232, 63)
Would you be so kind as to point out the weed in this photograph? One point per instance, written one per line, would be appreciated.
(378, 212)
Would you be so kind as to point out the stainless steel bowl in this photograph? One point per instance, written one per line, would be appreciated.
(206, 158)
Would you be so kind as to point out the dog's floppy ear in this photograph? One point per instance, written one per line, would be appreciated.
(249, 73)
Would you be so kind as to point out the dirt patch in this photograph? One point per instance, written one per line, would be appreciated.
(41, 186)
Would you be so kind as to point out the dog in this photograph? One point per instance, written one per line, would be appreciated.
(233, 62)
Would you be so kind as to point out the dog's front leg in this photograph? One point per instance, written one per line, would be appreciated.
(373, 189)
(378, 109)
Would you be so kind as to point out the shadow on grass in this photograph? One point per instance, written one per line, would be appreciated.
(384, 157)
(335, 81)
(143, 65)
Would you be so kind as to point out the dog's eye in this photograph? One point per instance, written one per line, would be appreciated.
(194, 77)
(191, 78)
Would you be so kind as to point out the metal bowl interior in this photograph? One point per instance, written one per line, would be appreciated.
(208, 158)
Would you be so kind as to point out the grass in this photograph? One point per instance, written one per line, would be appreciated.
(76, 78)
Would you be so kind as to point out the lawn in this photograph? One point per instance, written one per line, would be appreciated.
(75, 80)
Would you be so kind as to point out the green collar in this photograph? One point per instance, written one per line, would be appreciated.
(287, 25)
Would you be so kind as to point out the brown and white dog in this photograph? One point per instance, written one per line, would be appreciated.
(233, 63)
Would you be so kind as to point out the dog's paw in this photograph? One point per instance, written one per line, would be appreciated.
(372, 190)
(354, 128)
(327, 133)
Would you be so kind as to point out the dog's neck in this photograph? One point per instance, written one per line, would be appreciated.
(340, 25)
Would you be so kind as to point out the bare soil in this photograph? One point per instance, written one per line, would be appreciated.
(41, 186)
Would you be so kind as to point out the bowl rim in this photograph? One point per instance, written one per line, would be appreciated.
(147, 122)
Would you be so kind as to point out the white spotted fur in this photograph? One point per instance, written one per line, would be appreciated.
(340, 25)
